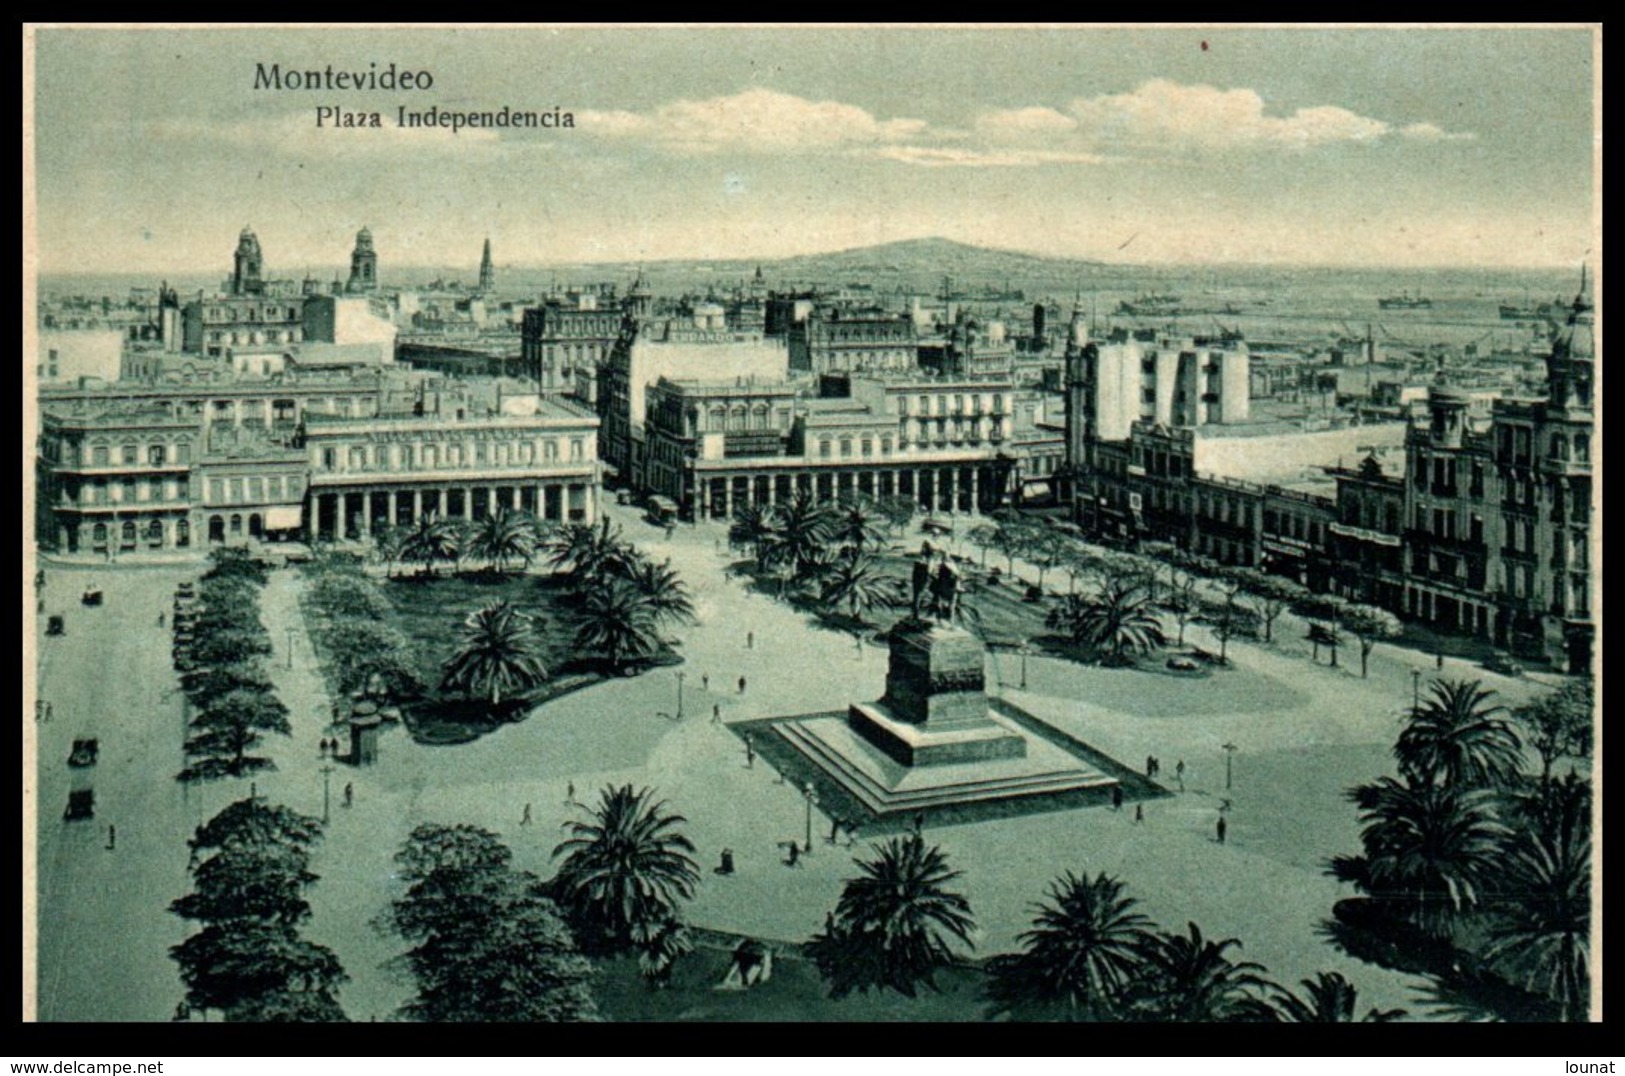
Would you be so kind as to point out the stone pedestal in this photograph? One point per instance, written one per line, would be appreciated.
(935, 708)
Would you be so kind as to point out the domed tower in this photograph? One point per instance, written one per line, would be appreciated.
(1571, 367)
(363, 263)
(639, 300)
(248, 268)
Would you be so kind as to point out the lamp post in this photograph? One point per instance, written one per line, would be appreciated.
(1229, 753)
(1024, 666)
(812, 798)
(680, 675)
(290, 646)
(327, 793)
(1416, 690)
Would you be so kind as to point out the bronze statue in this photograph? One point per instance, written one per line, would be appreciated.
(919, 581)
(945, 593)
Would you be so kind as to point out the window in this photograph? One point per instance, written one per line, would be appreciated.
(846, 447)
(480, 451)
(329, 459)
(155, 489)
(885, 446)
(576, 449)
(296, 487)
(236, 491)
(406, 457)
(454, 455)
(256, 489)
(155, 455)
(550, 451)
(868, 447)
(1582, 447)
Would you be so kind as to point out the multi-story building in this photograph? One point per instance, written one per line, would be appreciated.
(1367, 546)
(565, 338)
(852, 340)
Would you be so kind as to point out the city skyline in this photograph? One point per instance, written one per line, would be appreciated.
(1337, 147)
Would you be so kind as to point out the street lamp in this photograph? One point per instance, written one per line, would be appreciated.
(812, 798)
(290, 646)
(1416, 690)
(1024, 666)
(1229, 753)
(680, 675)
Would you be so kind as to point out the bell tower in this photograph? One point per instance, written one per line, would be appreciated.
(488, 273)
(248, 268)
(363, 263)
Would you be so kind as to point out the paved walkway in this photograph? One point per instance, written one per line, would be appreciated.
(1303, 734)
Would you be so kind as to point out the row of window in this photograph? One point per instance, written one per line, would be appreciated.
(256, 489)
(130, 534)
(128, 491)
(435, 457)
(922, 404)
(230, 313)
(130, 454)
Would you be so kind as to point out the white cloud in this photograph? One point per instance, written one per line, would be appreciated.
(959, 157)
(1166, 114)
(755, 120)
(1024, 123)
(1427, 132)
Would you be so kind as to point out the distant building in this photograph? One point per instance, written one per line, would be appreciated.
(862, 340)
(567, 336)
(363, 264)
(488, 272)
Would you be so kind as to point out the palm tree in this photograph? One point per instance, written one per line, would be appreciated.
(625, 869)
(1430, 850)
(805, 527)
(500, 653)
(503, 534)
(1542, 937)
(1118, 617)
(1456, 738)
(1329, 999)
(858, 583)
(431, 539)
(586, 551)
(857, 527)
(893, 924)
(662, 590)
(754, 528)
(1086, 946)
(618, 622)
(388, 543)
(1190, 978)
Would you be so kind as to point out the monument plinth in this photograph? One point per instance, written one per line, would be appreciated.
(935, 710)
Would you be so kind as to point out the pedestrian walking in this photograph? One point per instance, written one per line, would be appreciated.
(1222, 827)
(1139, 813)
(750, 640)
(524, 819)
(795, 855)
(112, 838)
(160, 620)
(716, 713)
(1179, 772)
(741, 685)
(750, 753)
(726, 866)
(48, 711)
(705, 681)
(349, 794)
(1117, 797)
(1150, 766)
(570, 794)
(1156, 766)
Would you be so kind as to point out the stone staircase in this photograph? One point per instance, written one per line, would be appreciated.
(884, 801)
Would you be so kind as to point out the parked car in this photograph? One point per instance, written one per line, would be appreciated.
(1501, 663)
(81, 804)
(83, 754)
(92, 596)
(54, 626)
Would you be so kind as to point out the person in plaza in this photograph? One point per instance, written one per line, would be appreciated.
(1179, 772)
(349, 794)
(160, 619)
(750, 640)
(1139, 813)
(741, 685)
(570, 794)
(524, 819)
(794, 858)
(39, 709)
(1221, 828)
(1150, 766)
(726, 863)
(705, 681)
(750, 752)
(48, 711)
(716, 713)
(112, 838)
(1117, 797)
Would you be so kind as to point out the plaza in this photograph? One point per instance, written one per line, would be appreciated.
(1303, 733)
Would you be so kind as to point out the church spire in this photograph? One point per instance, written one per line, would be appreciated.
(488, 272)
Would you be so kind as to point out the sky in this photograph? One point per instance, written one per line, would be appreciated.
(1344, 147)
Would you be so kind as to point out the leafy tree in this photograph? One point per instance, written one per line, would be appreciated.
(388, 542)
(348, 596)
(1328, 998)
(1044, 549)
(619, 623)
(1271, 595)
(226, 727)
(1180, 600)
(248, 960)
(1118, 618)
(1189, 979)
(1086, 946)
(362, 650)
(625, 869)
(1370, 624)
(895, 924)
(1458, 738)
(232, 562)
(1328, 608)
(1431, 852)
(1078, 563)
(805, 529)
(487, 943)
(984, 536)
(500, 652)
(1560, 724)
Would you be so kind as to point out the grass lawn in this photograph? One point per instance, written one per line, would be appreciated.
(430, 610)
(795, 993)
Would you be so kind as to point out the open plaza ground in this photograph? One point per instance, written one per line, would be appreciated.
(1302, 732)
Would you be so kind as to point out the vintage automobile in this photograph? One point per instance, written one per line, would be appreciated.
(81, 804)
(54, 625)
(84, 753)
(1503, 664)
(92, 595)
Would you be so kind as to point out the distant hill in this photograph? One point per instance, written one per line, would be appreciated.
(910, 256)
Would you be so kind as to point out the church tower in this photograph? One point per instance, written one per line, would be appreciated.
(363, 263)
(247, 276)
(488, 273)
(1571, 367)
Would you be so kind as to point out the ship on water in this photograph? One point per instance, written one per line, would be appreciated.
(1405, 301)
(1149, 306)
